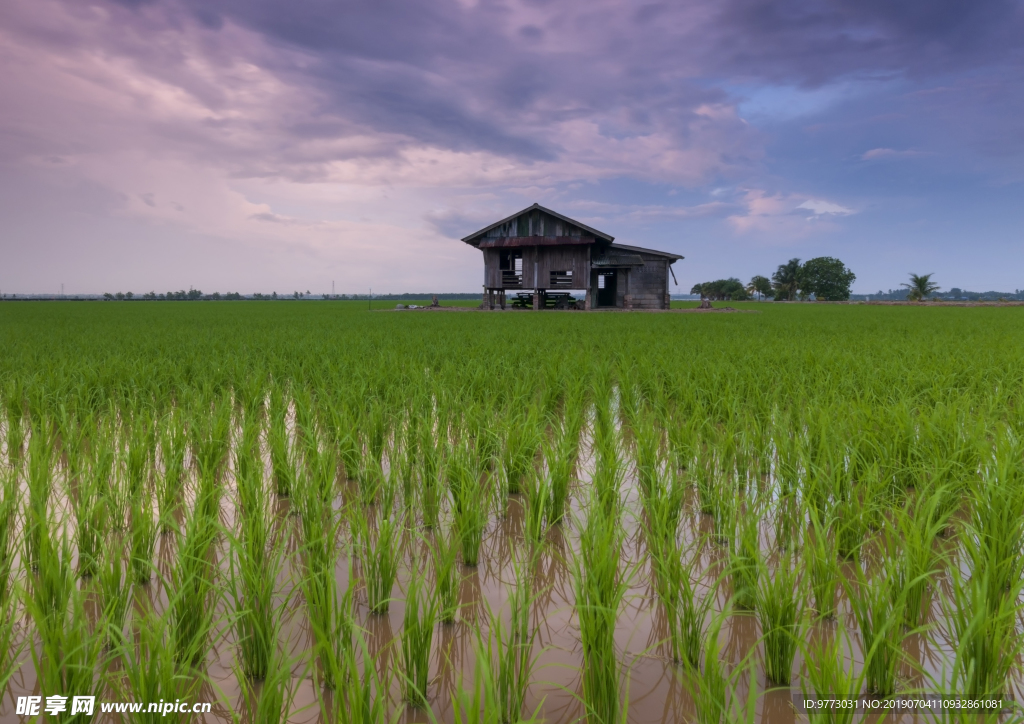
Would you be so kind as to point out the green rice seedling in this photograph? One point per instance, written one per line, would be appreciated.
(599, 587)
(407, 464)
(271, 701)
(364, 700)
(10, 647)
(917, 561)
(983, 609)
(282, 464)
(663, 507)
(686, 615)
(331, 616)
(143, 537)
(15, 437)
(90, 522)
(683, 436)
(522, 438)
(707, 491)
(447, 576)
(788, 523)
(346, 439)
(994, 535)
(40, 487)
(877, 497)
(375, 423)
(149, 673)
(778, 612)
(538, 497)
(745, 561)
(469, 503)
(829, 676)
(52, 585)
(9, 507)
(510, 650)
(608, 474)
(559, 461)
(878, 610)
(137, 458)
(192, 593)
(379, 553)
(254, 563)
(988, 645)
(647, 439)
(211, 437)
(247, 453)
(849, 528)
(68, 659)
(371, 481)
(479, 704)
(322, 472)
(417, 637)
(709, 688)
(114, 582)
(687, 627)
(430, 478)
(821, 561)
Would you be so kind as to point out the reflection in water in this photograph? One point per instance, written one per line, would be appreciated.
(651, 681)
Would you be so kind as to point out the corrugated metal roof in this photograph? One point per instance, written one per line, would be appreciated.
(506, 242)
(625, 247)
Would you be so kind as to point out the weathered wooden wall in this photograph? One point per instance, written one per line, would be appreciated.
(648, 284)
(535, 223)
(541, 261)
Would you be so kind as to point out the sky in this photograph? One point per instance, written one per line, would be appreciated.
(258, 145)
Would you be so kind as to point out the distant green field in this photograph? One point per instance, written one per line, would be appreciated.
(244, 501)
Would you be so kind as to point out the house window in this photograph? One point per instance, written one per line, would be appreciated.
(561, 279)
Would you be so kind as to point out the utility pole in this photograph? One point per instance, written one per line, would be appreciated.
(332, 287)
(369, 299)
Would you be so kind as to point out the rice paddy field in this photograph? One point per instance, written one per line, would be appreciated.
(319, 513)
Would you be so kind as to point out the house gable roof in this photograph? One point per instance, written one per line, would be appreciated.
(482, 232)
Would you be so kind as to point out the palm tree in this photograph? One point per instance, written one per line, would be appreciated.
(760, 286)
(920, 287)
(787, 279)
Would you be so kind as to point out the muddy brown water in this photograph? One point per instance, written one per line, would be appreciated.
(652, 684)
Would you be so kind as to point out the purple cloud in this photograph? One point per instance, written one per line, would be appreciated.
(404, 121)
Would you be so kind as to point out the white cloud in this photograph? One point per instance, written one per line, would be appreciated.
(819, 208)
(877, 153)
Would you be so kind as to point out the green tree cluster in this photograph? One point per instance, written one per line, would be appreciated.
(721, 289)
(826, 277)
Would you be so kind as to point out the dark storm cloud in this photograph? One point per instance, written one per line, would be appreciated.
(255, 117)
(494, 75)
(814, 42)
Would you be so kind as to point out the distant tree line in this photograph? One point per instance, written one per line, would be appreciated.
(824, 278)
(954, 294)
(195, 294)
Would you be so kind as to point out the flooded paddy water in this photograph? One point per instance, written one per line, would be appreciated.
(339, 519)
(654, 686)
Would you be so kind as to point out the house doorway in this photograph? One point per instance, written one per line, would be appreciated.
(606, 288)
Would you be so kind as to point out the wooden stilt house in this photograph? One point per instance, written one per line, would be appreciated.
(539, 257)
